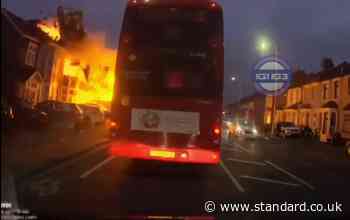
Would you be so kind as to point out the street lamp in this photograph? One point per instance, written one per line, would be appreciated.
(235, 79)
(264, 46)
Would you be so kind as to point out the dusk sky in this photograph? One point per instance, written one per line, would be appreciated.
(303, 31)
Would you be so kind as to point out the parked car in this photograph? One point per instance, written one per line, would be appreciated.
(92, 114)
(7, 116)
(23, 115)
(307, 131)
(288, 129)
(62, 114)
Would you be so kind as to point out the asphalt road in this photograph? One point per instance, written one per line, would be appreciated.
(252, 171)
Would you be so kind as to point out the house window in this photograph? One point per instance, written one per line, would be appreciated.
(65, 81)
(336, 89)
(33, 85)
(30, 57)
(325, 91)
(73, 82)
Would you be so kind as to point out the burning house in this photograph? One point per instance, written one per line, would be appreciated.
(62, 61)
(88, 78)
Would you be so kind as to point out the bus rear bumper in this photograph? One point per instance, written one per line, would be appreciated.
(135, 150)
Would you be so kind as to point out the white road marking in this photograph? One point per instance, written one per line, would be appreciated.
(231, 149)
(247, 162)
(96, 167)
(231, 177)
(75, 160)
(291, 175)
(242, 148)
(270, 180)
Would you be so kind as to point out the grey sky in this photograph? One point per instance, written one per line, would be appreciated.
(303, 30)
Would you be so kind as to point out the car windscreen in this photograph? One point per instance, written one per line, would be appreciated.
(288, 124)
(91, 109)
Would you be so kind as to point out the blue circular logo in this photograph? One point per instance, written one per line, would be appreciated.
(272, 76)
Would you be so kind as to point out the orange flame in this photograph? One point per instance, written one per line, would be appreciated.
(51, 28)
(95, 77)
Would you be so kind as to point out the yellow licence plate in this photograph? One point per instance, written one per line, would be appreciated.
(163, 154)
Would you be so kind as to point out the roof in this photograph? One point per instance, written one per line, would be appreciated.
(338, 71)
(301, 78)
(26, 28)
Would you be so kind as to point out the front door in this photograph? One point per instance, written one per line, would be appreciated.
(328, 124)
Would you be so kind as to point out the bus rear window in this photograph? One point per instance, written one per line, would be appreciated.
(171, 83)
(164, 26)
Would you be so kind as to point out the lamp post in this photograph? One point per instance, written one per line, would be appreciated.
(235, 79)
(264, 45)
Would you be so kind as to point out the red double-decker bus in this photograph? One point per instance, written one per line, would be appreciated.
(169, 82)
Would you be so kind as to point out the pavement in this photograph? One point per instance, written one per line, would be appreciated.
(96, 185)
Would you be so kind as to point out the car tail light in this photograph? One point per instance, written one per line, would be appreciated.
(112, 125)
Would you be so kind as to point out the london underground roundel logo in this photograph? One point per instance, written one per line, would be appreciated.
(272, 76)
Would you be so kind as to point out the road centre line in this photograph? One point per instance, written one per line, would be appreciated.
(298, 179)
(270, 180)
(72, 161)
(247, 162)
(96, 167)
(231, 177)
(234, 144)
(65, 163)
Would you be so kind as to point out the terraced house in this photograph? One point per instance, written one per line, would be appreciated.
(320, 101)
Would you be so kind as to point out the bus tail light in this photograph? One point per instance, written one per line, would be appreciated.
(215, 134)
(184, 155)
(217, 131)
